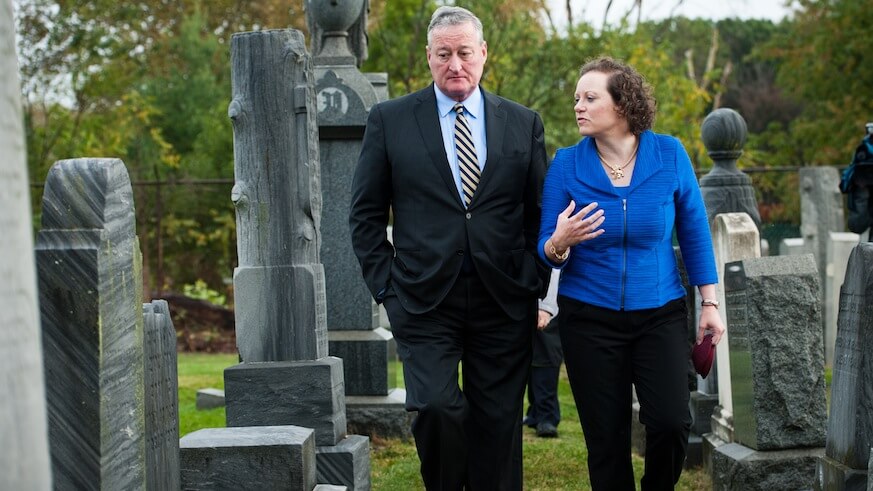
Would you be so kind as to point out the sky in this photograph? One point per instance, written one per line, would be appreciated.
(593, 10)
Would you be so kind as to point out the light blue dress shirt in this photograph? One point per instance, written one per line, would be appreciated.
(474, 108)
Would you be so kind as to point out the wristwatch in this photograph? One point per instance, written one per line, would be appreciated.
(709, 301)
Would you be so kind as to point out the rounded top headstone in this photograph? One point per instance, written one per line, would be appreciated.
(724, 134)
(335, 15)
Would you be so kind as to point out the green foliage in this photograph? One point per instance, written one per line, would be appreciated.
(201, 291)
(824, 64)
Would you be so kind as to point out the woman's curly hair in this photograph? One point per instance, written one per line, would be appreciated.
(629, 90)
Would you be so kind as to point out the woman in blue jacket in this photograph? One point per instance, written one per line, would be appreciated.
(610, 206)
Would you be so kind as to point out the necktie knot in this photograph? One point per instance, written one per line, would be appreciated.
(459, 108)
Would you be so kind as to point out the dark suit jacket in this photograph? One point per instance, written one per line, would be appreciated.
(403, 166)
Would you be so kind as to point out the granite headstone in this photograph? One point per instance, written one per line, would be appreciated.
(90, 294)
(777, 360)
(161, 397)
(850, 423)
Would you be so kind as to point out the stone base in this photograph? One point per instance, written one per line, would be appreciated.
(302, 393)
(367, 357)
(694, 452)
(209, 398)
(346, 464)
(380, 417)
(709, 443)
(329, 487)
(255, 458)
(736, 467)
(832, 475)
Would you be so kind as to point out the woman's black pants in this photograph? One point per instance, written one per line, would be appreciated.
(605, 351)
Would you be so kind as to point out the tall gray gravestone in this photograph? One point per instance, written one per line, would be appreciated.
(845, 465)
(24, 461)
(161, 397)
(777, 375)
(90, 294)
(344, 95)
(821, 212)
(286, 376)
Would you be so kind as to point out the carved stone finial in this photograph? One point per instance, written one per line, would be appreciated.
(338, 29)
(725, 188)
(724, 134)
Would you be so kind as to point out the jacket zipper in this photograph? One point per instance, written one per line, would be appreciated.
(623, 250)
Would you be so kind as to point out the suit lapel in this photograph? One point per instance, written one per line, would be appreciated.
(495, 129)
(428, 122)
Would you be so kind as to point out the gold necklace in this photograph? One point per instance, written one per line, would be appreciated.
(617, 171)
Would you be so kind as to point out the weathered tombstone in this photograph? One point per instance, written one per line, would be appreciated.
(821, 212)
(280, 458)
(90, 294)
(735, 237)
(345, 96)
(850, 423)
(24, 461)
(839, 247)
(279, 283)
(777, 375)
(161, 397)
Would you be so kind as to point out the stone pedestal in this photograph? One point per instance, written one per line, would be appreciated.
(347, 463)
(739, 468)
(380, 416)
(254, 458)
(305, 393)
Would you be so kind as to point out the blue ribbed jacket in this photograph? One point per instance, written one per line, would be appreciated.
(632, 265)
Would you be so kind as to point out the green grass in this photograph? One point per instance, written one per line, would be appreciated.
(551, 464)
(200, 371)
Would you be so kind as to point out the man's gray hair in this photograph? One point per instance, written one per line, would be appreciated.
(453, 16)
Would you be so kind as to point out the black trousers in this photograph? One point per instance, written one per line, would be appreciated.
(605, 351)
(471, 438)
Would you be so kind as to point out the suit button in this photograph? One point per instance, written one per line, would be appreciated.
(459, 252)
(469, 216)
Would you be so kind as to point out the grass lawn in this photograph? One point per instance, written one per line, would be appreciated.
(549, 463)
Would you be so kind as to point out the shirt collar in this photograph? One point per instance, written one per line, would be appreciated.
(472, 104)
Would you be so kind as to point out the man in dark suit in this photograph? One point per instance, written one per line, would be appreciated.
(460, 281)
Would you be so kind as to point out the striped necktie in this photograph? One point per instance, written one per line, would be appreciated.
(467, 161)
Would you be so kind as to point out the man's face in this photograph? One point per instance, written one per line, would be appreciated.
(456, 59)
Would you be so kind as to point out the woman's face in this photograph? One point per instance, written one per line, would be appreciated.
(596, 113)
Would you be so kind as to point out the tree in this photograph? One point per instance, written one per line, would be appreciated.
(824, 65)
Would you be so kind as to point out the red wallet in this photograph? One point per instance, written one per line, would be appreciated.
(702, 355)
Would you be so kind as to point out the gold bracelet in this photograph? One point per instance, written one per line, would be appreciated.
(562, 256)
